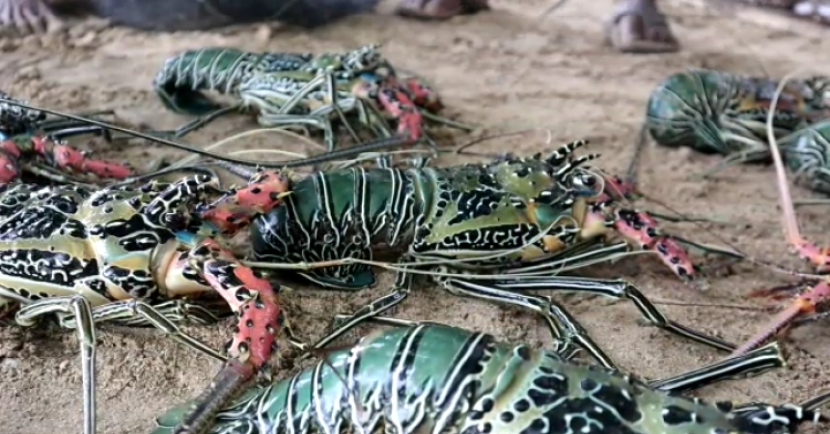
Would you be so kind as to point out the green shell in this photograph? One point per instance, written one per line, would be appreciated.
(432, 378)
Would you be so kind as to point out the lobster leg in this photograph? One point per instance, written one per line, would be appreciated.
(342, 323)
(562, 325)
(820, 257)
(750, 155)
(751, 364)
(80, 308)
(138, 312)
(66, 132)
(748, 365)
(618, 289)
(763, 418)
(256, 303)
(49, 172)
(331, 86)
(287, 120)
(174, 311)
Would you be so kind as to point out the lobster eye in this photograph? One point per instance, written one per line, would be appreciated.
(585, 184)
(588, 180)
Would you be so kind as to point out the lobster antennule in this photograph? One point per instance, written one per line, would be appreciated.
(563, 153)
(563, 172)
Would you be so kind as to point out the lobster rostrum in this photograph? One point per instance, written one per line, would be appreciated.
(516, 222)
(32, 143)
(715, 112)
(297, 89)
(435, 378)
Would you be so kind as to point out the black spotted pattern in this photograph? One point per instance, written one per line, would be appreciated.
(502, 237)
(674, 415)
(475, 204)
(135, 234)
(40, 224)
(48, 267)
(138, 284)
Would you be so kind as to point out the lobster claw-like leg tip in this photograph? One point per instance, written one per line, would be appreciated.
(806, 303)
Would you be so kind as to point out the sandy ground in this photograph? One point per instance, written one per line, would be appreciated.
(501, 69)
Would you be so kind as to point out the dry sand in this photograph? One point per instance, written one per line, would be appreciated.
(500, 69)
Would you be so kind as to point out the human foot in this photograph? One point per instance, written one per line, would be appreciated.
(637, 26)
(816, 10)
(439, 9)
(26, 16)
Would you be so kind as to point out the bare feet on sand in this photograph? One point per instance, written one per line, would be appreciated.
(26, 16)
(637, 26)
(816, 10)
(439, 9)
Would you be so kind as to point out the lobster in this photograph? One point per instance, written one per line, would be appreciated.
(296, 89)
(715, 112)
(516, 221)
(435, 378)
(131, 254)
(31, 143)
(117, 255)
(806, 151)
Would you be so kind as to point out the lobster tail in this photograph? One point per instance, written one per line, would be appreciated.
(173, 15)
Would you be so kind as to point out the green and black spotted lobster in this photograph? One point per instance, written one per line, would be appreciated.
(138, 255)
(510, 226)
(717, 112)
(298, 89)
(434, 378)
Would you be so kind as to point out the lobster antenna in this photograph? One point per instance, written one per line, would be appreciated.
(234, 137)
(393, 141)
(634, 165)
(374, 145)
(790, 221)
(474, 142)
(550, 9)
(165, 171)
